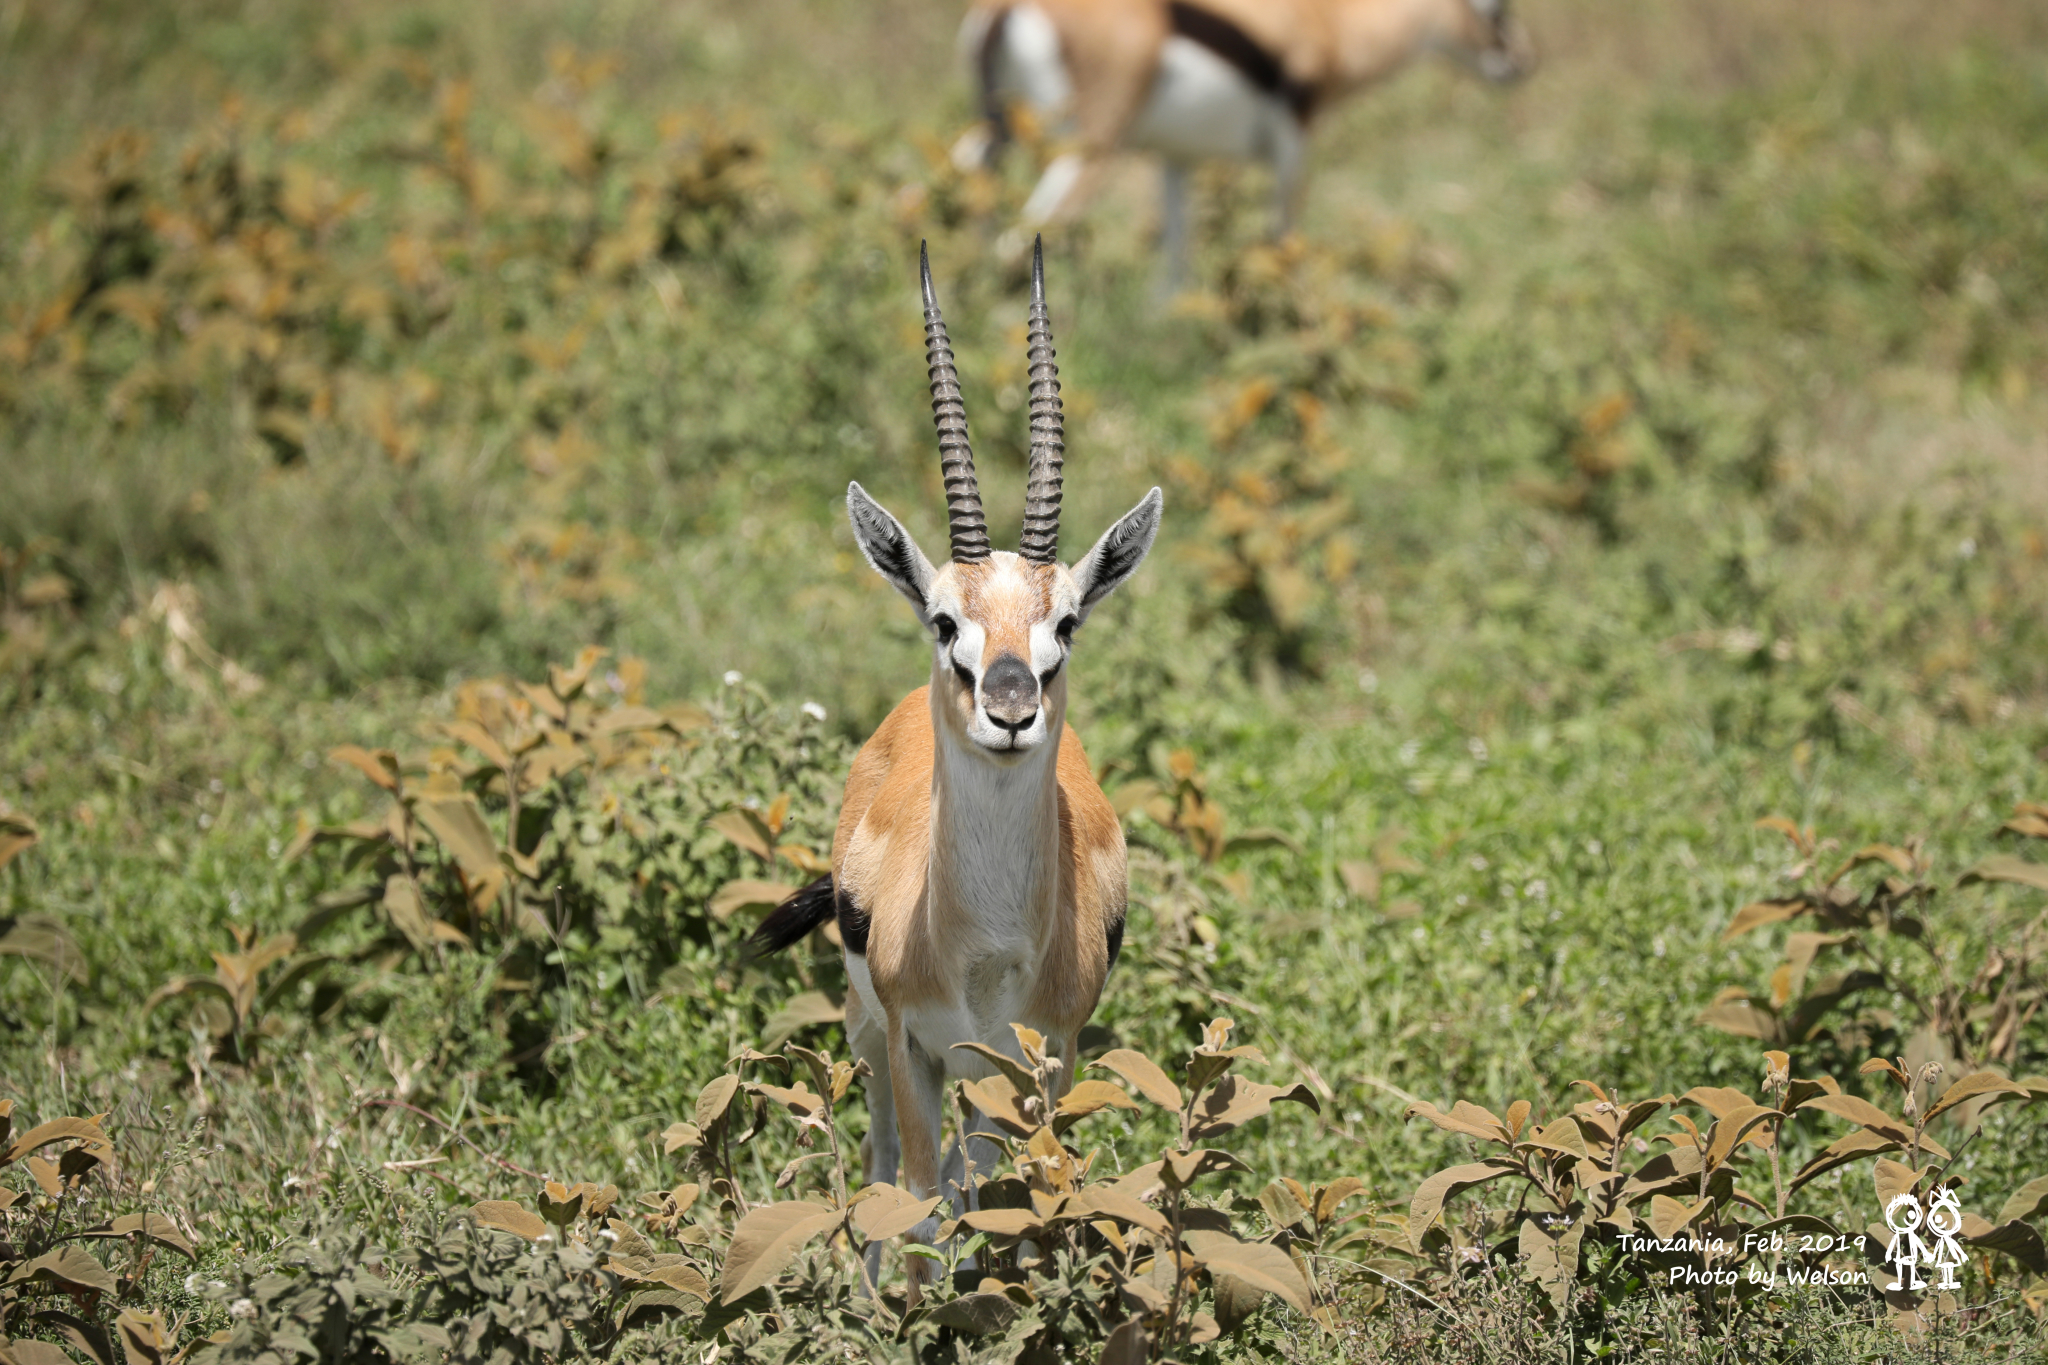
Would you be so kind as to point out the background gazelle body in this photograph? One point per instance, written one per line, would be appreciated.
(978, 872)
(1195, 80)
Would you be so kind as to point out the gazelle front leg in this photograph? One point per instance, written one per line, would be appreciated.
(917, 1084)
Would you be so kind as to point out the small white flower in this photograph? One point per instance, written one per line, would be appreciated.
(193, 1283)
(813, 710)
(732, 677)
(242, 1308)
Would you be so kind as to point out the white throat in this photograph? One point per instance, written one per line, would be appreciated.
(995, 837)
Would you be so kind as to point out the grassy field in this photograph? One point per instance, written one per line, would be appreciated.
(1609, 464)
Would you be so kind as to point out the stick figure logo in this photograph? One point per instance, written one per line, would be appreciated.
(1907, 1250)
(1944, 1221)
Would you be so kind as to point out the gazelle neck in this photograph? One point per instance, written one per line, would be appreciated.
(995, 836)
(1375, 37)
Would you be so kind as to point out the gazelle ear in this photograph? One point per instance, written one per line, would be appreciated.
(1119, 553)
(889, 547)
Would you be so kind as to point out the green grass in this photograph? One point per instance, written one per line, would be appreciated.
(1681, 411)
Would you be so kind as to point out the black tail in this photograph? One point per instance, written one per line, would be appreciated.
(790, 921)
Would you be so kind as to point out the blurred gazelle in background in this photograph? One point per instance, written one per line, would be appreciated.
(1238, 80)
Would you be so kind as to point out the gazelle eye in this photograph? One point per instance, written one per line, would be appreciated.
(1065, 629)
(946, 628)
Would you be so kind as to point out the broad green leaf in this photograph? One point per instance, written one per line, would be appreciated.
(509, 1217)
(1430, 1196)
(70, 1269)
(1000, 1103)
(45, 939)
(2004, 867)
(458, 822)
(1559, 1135)
(1861, 1111)
(1668, 1217)
(1143, 1074)
(806, 1010)
(2017, 1240)
(1758, 913)
(1330, 1196)
(1259, 1264)
(715, 1098)
(21, 1352)
(1235, 1101)
(1730, 1129)
(748, 892)
(1465, 1117)
(152, 1227)
(1718, 1100)
(1972, 1086)
(381, 767)
(884, 1211)
(1019, 1074)
(977, 1314)
(745, 829)
(1127, 1344)
(2026, 1202)
(1109, 1201)
(1892, 1179)
(1004, 1222)
(1087, 1098)
(1853, 1147)
(1735, 1013)
(1550, 1258)
(684, 1279)
(408, 913)
(143, 1338)
(57, 1130)
(767, 1240)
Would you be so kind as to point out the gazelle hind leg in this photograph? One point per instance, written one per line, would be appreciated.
(1290, 164)
(881, 1151)
(1173, 230)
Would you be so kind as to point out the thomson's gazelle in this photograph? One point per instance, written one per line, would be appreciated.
(1195, 80)
(978, 870)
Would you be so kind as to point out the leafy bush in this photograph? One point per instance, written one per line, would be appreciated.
(1979, 982)
(43, 1254)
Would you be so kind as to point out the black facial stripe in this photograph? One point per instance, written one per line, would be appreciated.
(965, 674)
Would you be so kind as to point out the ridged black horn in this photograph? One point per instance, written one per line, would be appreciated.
(1041, 541)
(949, 414)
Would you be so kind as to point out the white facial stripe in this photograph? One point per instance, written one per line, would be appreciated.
(1045, 647)
(968, 646)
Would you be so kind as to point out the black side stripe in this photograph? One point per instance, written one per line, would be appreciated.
(853, 925)
(1243, 52)
(1114, 931)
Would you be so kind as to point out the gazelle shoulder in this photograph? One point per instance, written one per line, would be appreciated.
(1089, 823)
(896, 756)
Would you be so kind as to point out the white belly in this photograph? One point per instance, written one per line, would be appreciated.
(1201, 107)
(995, 997)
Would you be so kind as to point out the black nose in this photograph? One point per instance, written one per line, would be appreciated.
(1009, 693)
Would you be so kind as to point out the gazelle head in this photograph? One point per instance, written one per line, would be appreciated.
(1002, 624)
(1487, 37)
